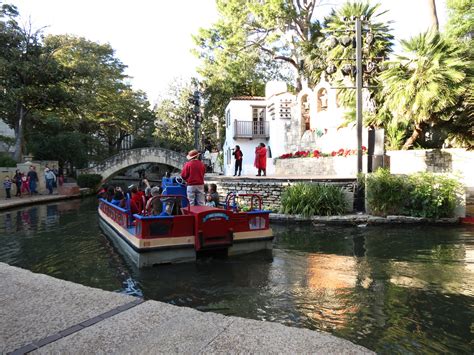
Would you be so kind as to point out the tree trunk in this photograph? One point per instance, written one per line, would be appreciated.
(433, 14)
(416, 133)
(19, 128)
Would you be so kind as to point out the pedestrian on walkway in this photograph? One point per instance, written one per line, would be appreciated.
(33, 180)
(193, 172)
(25, 184)
(17, 181)
(56, 174)
(7, 184)
(60, 176)
(261, 159)
(50, 179)
(237, 153)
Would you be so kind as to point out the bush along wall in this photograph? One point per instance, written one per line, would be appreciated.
(91, 181)
(313, 199)
(419, 195)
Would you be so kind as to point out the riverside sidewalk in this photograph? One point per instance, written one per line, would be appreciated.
(32, 200)
(41, 314)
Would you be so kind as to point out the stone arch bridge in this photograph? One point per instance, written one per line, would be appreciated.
(128, 158)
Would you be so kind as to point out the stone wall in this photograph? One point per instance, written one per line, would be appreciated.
(457, 161)
(342, 167)
(271, 191)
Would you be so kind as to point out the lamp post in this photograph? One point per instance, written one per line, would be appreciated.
(195, 100)
(357, 71)
(359, 103)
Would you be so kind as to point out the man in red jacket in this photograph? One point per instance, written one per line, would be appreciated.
(193, 173)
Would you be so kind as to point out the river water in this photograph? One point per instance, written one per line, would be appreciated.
(391, 289)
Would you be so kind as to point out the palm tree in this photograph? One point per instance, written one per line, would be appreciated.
(424, 82)
(377, 41)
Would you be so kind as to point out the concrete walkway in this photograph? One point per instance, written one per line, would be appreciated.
(42, 314)
(32, 200)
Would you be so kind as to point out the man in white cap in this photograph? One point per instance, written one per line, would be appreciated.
(193, 173)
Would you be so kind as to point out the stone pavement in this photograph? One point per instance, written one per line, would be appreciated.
(41, 314)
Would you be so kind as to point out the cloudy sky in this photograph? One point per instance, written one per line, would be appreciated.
(153, 37)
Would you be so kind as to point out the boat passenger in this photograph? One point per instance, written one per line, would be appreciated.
(110, 193)
(155, 206)
(214, 194)
(102, 193)
(209, 201)
(137, 202)
(119, 199)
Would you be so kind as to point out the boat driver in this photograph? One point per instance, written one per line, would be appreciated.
(193, 173)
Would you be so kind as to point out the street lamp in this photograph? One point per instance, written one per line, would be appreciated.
(356, 70)
(195, 100)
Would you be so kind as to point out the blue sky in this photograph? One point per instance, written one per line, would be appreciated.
(153, 37)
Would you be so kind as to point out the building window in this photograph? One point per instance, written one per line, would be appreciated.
(227, 118)
(322, 100)
(305, 117)
(258, 118)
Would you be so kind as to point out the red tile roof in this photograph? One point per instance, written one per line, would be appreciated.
(254, 98)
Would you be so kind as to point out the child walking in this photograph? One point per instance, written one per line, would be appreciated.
(25, 185)
(7, 184)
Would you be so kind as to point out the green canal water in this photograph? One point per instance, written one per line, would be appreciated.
(392, 289)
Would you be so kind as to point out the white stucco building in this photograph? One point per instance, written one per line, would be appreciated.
(287, 123)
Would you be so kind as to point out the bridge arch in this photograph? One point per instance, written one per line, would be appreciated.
(127, 158)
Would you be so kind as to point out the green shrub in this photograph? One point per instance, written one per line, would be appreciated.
(6, 160)
(419, 195)
(89, 180)
(386, 193)
(432, 196)
(313, 199)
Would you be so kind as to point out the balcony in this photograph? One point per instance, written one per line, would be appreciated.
(251, 129)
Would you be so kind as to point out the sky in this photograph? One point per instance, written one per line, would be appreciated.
(153, 37)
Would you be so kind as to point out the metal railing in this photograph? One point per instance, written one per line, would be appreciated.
(251, 129)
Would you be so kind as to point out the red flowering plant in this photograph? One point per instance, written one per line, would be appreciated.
(317, 154)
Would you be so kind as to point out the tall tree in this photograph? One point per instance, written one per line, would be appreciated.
(339, 53)
(29, 75)
(102, 103)
(460, 23)
(431, 4)
(425, 81)
(174, 117)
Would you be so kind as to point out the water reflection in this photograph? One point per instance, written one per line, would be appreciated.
(392, 289)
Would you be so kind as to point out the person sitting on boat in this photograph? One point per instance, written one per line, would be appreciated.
(110, 193)
(137, 201)
(119, 198)
(193, 172)
(214, 194)
(209, 201)
(154, 205)
(102, 193)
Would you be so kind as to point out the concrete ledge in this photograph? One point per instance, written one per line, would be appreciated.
(45, 315)
(358, 219)
(16, 202)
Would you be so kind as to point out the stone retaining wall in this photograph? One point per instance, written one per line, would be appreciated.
(271, 191)
(359, 220)
(458, 161)
(323, 166)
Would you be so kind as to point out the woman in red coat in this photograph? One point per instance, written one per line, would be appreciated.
(261, 159)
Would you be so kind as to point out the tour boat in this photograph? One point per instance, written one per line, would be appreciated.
(182, 232)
